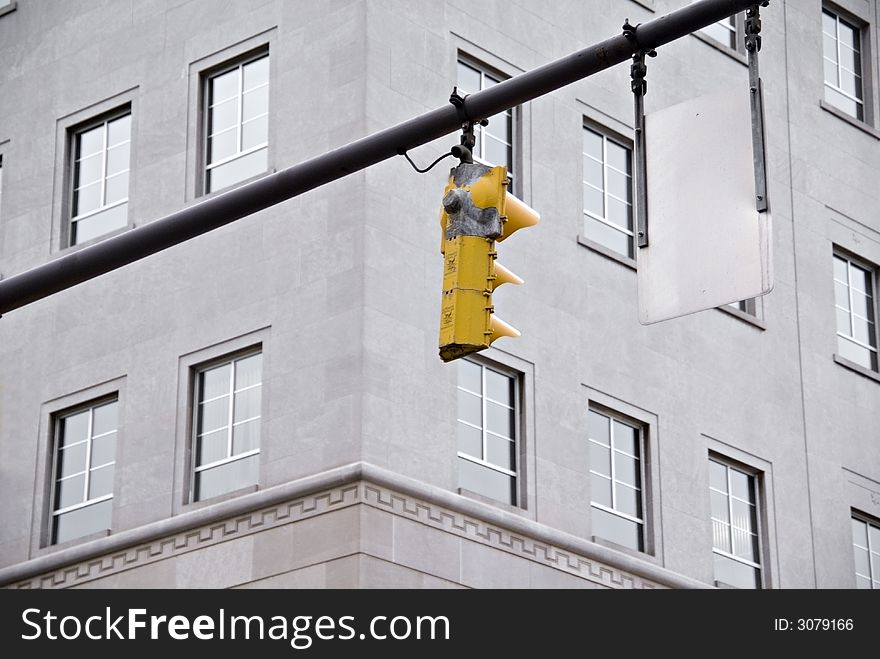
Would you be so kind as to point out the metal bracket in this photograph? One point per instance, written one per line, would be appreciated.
(756, 100)
(639, 85)
(465, 149)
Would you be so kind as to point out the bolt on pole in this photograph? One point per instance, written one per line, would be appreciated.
(100, 258)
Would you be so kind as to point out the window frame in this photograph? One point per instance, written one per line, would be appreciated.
(872, 271)
(607, 135)
(193, 467)
(861, 29)
(736, 29)
(205, 78)
(73, 136)
(54, 512)
(756, 482)
(644, 475)
(518, 473)
(868, 521)
(480, 132)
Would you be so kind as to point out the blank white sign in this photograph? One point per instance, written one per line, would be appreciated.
(708, 246)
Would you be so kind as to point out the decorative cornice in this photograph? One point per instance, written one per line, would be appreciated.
(339, 488)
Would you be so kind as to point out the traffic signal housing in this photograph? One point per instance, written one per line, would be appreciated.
(477, 213)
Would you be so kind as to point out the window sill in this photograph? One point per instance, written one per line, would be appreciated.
(608, 253)
(861, 370)
(8, 8)
(743, 316)
(852, 121)
(470, 494)
(97, 535)
(727, 50)
(645, 556)
(234, 494)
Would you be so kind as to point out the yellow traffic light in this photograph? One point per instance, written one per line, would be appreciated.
(477, 211)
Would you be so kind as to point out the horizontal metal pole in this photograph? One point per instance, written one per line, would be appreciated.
(80, 265)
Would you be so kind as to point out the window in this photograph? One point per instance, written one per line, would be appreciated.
(854, 304)
(616, 480)
(729, 31)
(495, 141)
(734, 511)
(101, 160)
(487, 431)
(85, 459)
(841, 45)
(866, 550)
(227, 426)
(237, 123)
(608, 213)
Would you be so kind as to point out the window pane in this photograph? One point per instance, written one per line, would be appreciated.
(71, 460)
(90, 142)
(593, 143)
(626, 438)
(829, 24)
(594, 200)
(247, 404)
(500, 451)
(855, 353)
(628, 500)
(607, 236)
(83, 521)
(619, 212)
(222, 145)
(88, 170)
(470, 408)
(717, 476)
(840, 269)
(719, 506)
(214, 382)
(497, 153)
(87, 199)
(468, 79)
(255, 133)
(599, 432)
(865, 332)
(860, 279)
(616, 529)
(246, 437)
(620, 185)
(860, 533)
(228, 477)
(223, 87)
(105, 418)
(248, 371)
(119, 130)
(101, 481)
(600, 490)
(470, 440)
(117, 188)
(499, 387)
(741, 485)
(256, 73)
(223, 116)
(618, 156)
(600, 459)
(237, 170)
(485, 481)
(104, 449)
(100, 223)
(843, 103)
(720, 535)
(626, 469)
(848, 36)
(734, 573)
(862, 561)
(118, 158)
(470, 376)
(74, 428)
(499, 419)
(212, 447)
(830, 72)
(593, 172)
(213, 415)
(255, 103)
(841, 295)
(69, 491)
(499, 127)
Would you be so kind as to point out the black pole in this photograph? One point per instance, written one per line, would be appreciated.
(94, 260)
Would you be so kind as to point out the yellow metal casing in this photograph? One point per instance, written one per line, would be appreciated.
(467, 323)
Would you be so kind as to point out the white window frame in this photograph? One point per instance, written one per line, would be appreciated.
(612, 510)
(860, 32)
(207, 165)
(56, 513)
(625, 144)
(481, 461)
(75, 135)
(872, 576)
(754, 482)
(853, 262)
(197, 402)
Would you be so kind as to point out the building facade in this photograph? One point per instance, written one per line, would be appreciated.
(264, 406)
